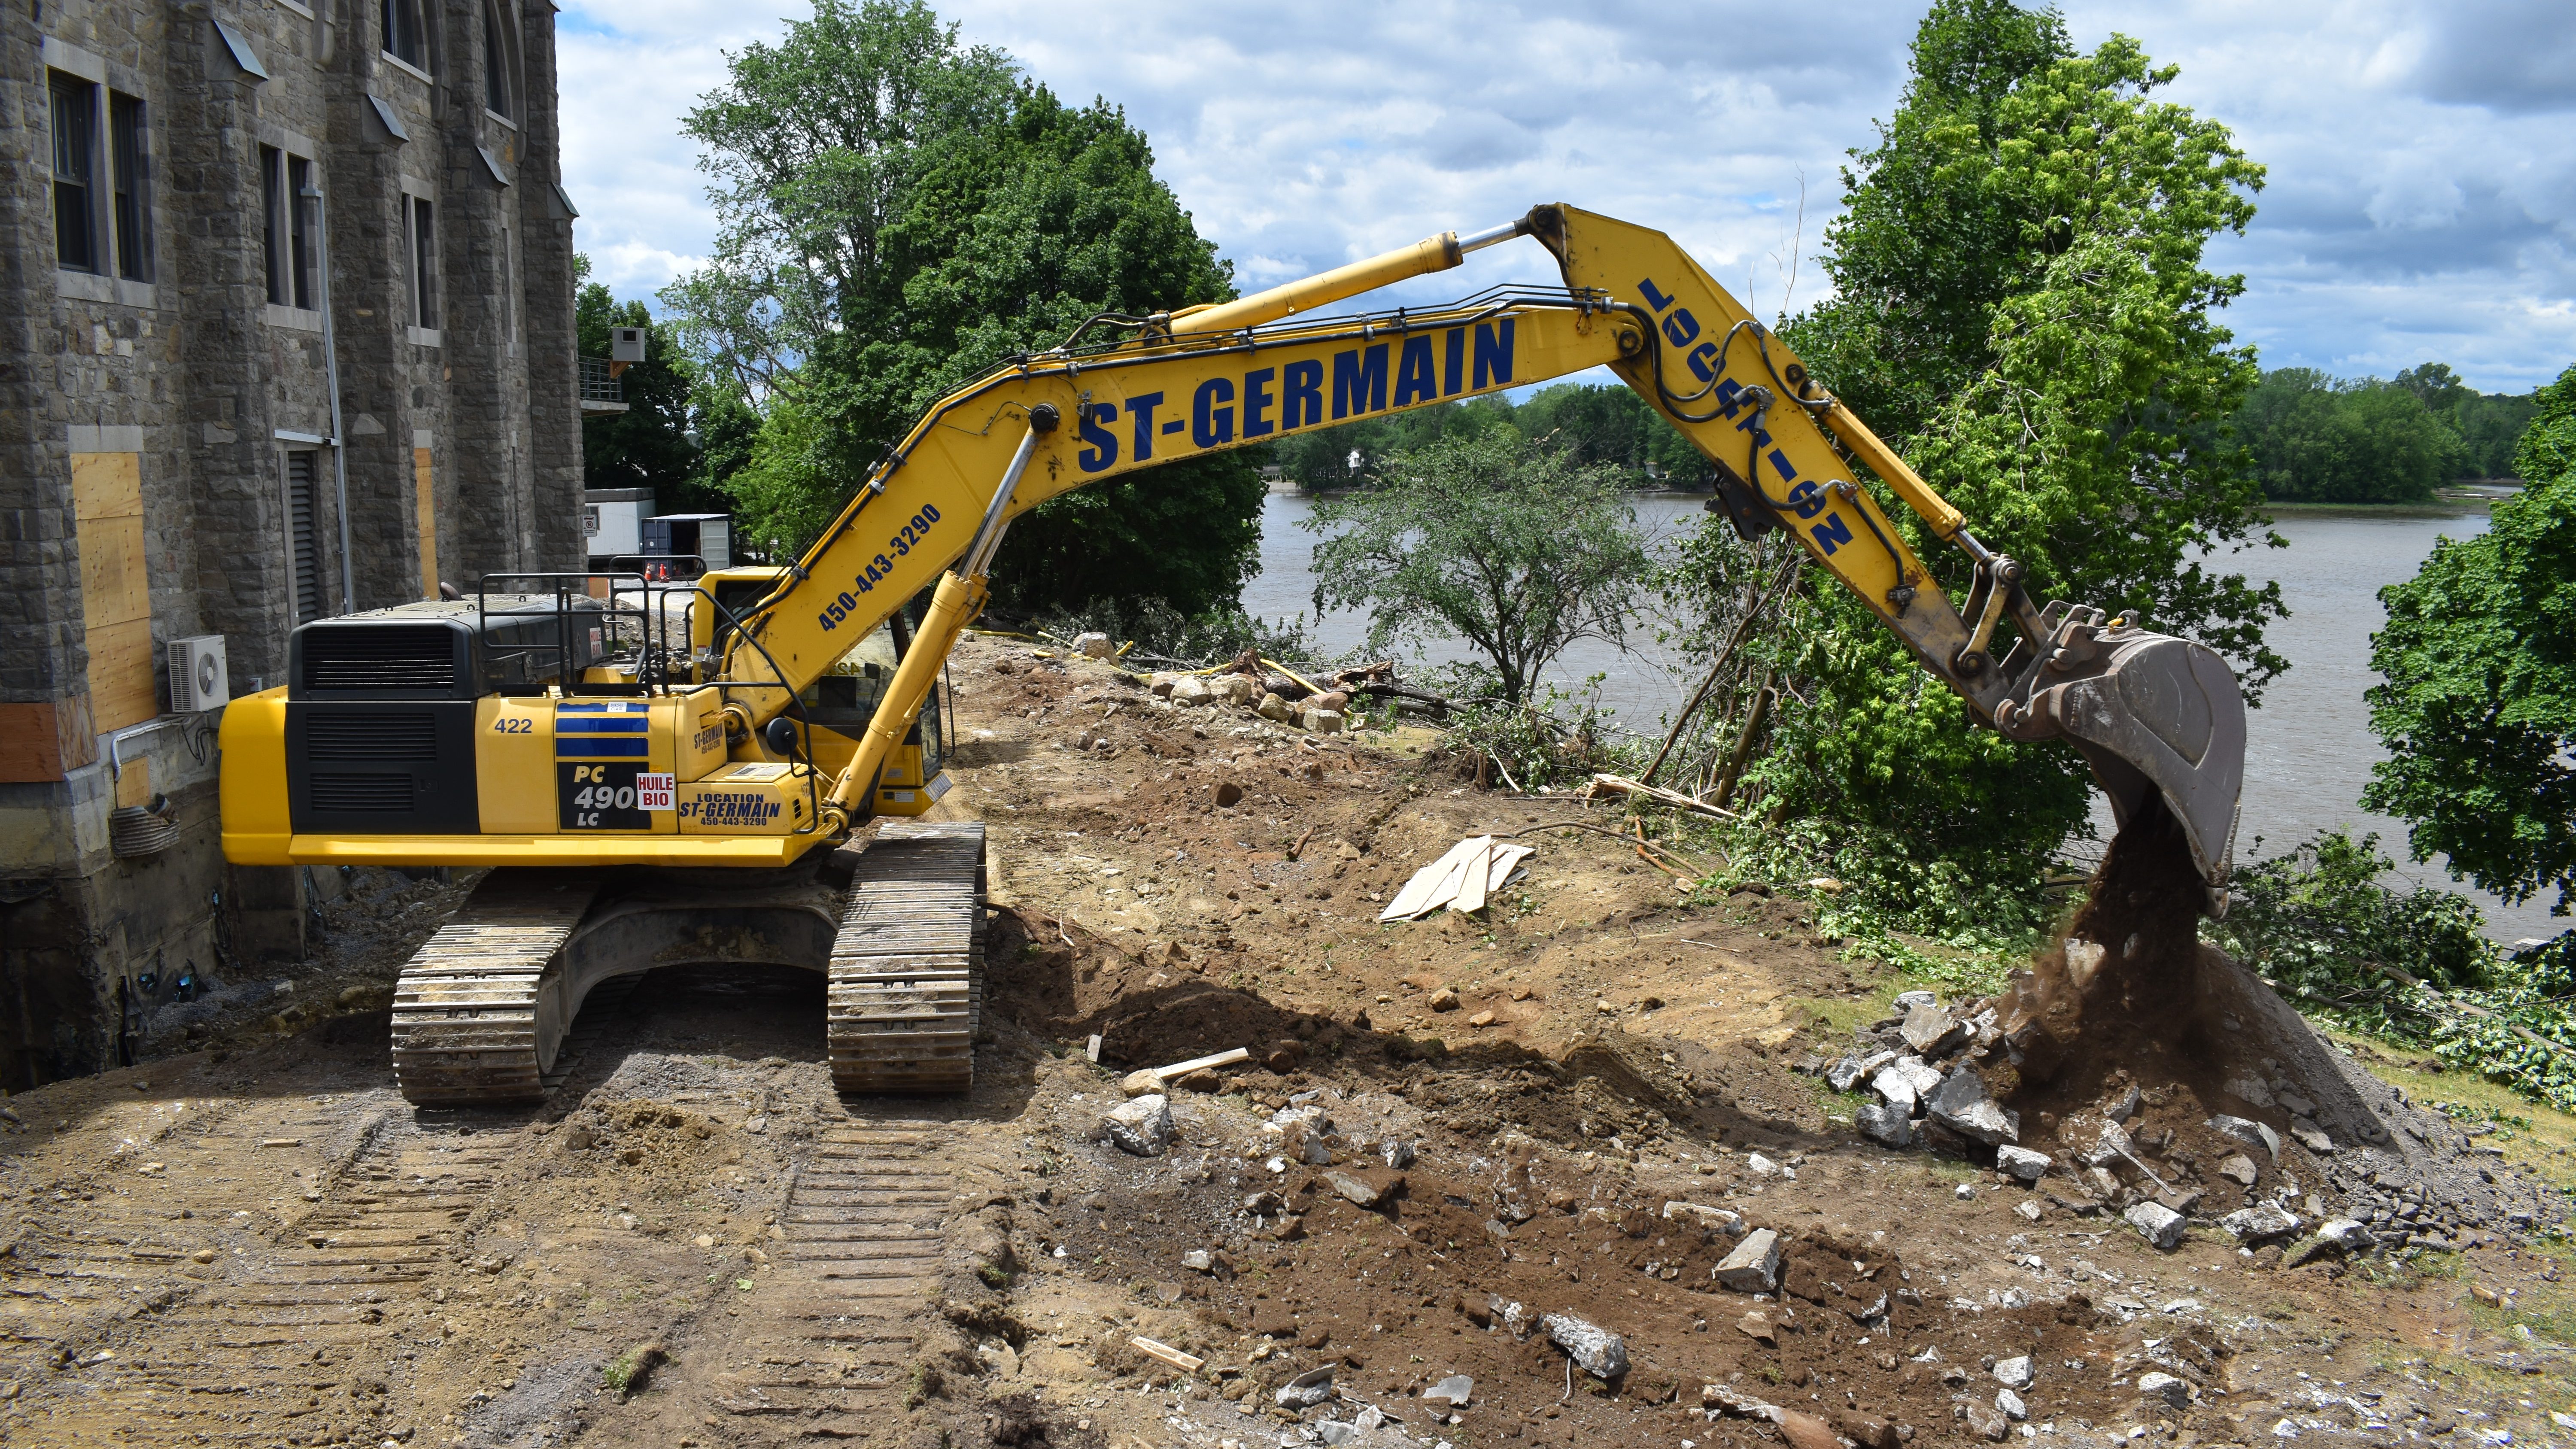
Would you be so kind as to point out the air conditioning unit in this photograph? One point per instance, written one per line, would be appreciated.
(197, 679)
(626, 344)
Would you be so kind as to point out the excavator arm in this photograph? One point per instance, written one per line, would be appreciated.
(2155, 715)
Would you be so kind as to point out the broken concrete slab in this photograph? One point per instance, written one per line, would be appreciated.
(1960, 1103)
(1754, 1266)
(2251, 1133)
(2165, 1388)
(1143, 1126)
(2158, 1224)
(2022, 1163)
(1886, 1123)
(1848, 1073)
(1714, 1219)
(1905, 1081)
(1366, 1190)
(2259, 1223)
(1594, 1349)
(1931, 1031)
(1307, 1389)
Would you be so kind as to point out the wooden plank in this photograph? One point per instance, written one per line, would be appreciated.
(120, 674)
(425, 505)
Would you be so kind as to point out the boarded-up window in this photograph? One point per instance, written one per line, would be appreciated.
(303, 479)
(116, 591)
(425, 503)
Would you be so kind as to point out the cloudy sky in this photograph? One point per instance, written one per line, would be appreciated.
(2421, 203)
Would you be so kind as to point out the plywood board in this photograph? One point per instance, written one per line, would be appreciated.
(107, 485)
(425, 501)
(120, 674)
(115, 588)
(134, 783)
(45, 739)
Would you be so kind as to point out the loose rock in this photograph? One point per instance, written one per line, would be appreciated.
(1143, 1126)
(2011, 1405)
(1960, 1103)
(2013, 1373)
(1931, 1031)
(1843, 1075)
(1715, 1219)
(1456, 1389)
(1887, 1124)
(2252, 1134)
(1594, 1349)
(2165, 1387)
(2259, 1222)
(2157, 1223)
(1754, 1266)
(1363, 1190)
(2021, 1163)
(1307, 1389)
(2240, 1170)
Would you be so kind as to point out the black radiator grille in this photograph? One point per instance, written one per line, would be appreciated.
(375, 794)
(373, 736)
(383, 656)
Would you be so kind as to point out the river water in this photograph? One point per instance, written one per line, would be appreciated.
(2309, 748)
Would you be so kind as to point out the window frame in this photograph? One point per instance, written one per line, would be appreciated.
(303, 236)
(500, 65)
(83, 92)
(407, 24)
(272, 197)
(420, 237)
(129, 180)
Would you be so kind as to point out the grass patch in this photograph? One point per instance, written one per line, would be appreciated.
(626, 1374)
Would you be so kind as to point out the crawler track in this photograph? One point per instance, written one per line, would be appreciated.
(907, 973)
(473, 1021)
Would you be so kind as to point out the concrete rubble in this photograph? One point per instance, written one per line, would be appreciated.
(2158, 1224)
(1143, 1126)
(1754, 1265)
(1594, 1349)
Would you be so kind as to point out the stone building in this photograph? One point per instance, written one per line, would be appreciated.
(286, 330)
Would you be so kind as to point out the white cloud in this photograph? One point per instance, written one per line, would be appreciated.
(2422, 196)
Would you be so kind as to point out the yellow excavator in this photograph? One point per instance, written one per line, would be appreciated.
(665, 772)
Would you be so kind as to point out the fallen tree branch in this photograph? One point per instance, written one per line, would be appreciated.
(1671, 799)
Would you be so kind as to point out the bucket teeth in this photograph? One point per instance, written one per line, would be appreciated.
(907, 974)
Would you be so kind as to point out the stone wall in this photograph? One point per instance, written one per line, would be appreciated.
(209, 386)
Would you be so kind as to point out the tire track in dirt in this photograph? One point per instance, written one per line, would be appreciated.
(839, 1324)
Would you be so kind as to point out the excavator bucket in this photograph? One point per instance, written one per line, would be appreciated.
(2158, 716)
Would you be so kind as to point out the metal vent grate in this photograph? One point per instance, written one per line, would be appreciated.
(370, 736)
(384, 656)
(368, 794)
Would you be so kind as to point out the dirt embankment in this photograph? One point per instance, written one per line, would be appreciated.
(1451, 1130)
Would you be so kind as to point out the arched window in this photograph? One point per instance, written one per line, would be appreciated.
(500, 63)
(407, 33)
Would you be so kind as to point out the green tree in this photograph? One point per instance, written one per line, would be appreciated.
(1515, 548)
(2318, 440)
(901, 212)
(2477, 704)
(2020, 299)
(2488, 424)
(653, 443)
